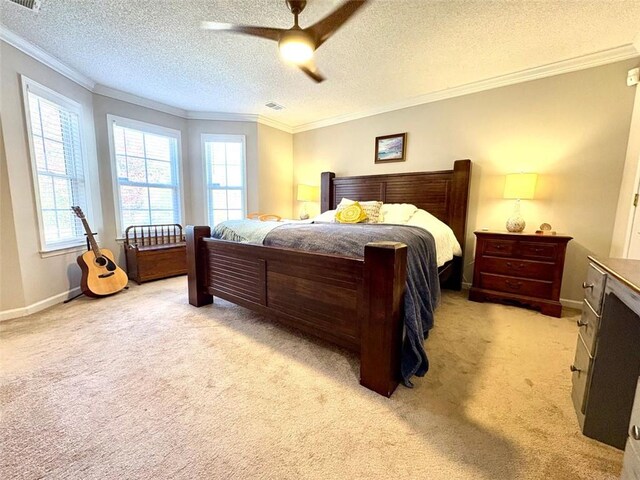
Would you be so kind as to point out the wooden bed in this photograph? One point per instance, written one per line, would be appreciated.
(354, 303)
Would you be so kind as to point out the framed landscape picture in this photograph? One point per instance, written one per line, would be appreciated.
(391, 148)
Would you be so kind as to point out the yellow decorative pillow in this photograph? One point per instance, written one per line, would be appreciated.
(351, 214)
(371, 209)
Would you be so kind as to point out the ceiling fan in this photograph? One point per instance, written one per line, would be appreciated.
(297, 44)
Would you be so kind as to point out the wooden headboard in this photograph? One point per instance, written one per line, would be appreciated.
(444, 194)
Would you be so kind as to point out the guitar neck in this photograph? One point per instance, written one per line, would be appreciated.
(92, 240)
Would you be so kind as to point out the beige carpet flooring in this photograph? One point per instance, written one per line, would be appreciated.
(142, 385)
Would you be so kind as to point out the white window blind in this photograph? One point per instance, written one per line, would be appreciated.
(147, 173)
(224, 157)
(58, 165)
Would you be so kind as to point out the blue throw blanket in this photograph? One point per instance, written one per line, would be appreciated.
(244, 231)
(422, 292)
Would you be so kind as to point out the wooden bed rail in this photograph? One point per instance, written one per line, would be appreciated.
(354, 303)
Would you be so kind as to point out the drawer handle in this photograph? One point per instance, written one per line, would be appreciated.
(582, 323)
(587, 286)
(499, 247)
(519, 266)
(573, 368)
(514, 285)
(635, 432)
(538, 250)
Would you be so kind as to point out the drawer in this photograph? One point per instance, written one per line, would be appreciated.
(631, 462)
(505, 248)
(518, 268)
(520, 286)
(538, 251)
(581, 369)
(594, 287)
(589, 324)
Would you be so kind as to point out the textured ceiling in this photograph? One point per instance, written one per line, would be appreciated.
(392, 50)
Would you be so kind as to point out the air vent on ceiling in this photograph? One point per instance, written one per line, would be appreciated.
(274, 106)
(30, 4)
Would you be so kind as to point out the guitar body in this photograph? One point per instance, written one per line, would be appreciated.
(101, 276)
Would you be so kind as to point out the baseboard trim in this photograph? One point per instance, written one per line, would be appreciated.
(571, 303)
(564, 301)
(38, 306)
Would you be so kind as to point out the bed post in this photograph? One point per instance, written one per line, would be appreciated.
(326, 191)
(385, 274)
(458, 217)
(197, 265)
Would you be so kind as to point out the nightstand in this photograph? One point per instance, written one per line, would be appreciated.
(523, 268)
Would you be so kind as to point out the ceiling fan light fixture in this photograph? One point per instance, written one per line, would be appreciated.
(296, 47)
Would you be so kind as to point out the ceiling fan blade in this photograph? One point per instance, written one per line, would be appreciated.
(310, 69)
(264, 32)
(326, 27)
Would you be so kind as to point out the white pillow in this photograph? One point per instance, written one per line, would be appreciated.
(397, 213)
(370, 207)
(446, 242)
(328, 216)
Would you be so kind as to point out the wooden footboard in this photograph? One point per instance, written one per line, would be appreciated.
(353, 303)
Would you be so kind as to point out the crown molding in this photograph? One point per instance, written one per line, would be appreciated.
(239, 117)
(270, 122)
(137, 100)
(623, 52)
(188, 114)
(52, 62)
(45, 58)
(222, 116)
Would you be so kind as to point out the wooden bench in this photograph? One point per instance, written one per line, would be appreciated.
(155, 251)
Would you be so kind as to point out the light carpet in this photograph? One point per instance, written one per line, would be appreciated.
(143, 385)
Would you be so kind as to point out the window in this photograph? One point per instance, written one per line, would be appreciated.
(145, 160)
(224, 158)
(57, 158)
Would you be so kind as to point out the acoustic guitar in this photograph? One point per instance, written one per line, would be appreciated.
(100, 274)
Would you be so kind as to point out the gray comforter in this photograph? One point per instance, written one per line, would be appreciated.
(422, 293)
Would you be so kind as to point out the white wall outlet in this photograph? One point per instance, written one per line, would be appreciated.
(632, 77)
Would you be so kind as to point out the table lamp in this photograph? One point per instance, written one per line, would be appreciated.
(306, 193)
(519, 186)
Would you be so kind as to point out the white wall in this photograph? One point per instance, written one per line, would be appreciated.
(628, 187)
(275, 150)
(11, 291)
(27, 280)
(571, 129)
(41, 278)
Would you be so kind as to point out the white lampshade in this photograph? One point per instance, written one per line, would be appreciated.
(308, 193)
(520, 185)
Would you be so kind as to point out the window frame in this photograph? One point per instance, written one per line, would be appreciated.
(31, 86)
(154, 130)
(222, 137)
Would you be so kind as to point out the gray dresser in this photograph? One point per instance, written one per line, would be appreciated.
(631, 465)
(606, 368)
